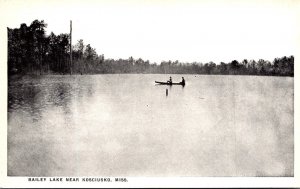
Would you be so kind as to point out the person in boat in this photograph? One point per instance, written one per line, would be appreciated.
(183, 81)
(170, 80)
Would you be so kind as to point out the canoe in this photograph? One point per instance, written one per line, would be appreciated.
(166, 83)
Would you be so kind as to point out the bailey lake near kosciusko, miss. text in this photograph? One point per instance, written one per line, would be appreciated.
(125, 125)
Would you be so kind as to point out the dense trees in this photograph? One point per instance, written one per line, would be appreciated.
(31, 51)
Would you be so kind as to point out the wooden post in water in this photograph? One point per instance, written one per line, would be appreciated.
(71, 64)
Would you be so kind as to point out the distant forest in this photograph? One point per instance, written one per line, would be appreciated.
(31, 51)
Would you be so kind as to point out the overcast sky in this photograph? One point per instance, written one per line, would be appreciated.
(159, 30)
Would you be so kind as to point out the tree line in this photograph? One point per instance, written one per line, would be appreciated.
(31, 51)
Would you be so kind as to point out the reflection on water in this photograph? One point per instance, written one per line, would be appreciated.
(125, 125)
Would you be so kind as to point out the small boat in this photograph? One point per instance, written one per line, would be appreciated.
(168, 83)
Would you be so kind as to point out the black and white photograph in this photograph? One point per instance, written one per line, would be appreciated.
(149, 89)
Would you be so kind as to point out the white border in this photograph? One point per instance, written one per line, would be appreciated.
(141, 181)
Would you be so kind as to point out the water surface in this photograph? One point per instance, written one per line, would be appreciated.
(125, 125)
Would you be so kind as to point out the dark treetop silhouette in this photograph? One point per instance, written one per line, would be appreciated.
(31, 51)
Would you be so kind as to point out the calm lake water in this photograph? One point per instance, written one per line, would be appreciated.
(125, 125)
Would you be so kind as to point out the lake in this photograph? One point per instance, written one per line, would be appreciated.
(125, 125)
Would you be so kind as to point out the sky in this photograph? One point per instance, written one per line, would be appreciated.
(158, 30)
